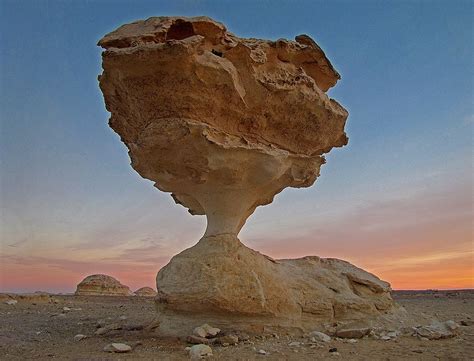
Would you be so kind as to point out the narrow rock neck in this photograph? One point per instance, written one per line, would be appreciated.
(226, 213)
(220, 223)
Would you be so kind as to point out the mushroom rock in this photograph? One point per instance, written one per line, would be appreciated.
(145, 292)
(101, 285)
(224, 124)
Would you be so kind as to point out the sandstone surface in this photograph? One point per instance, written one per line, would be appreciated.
(101, 285)
(224, 124)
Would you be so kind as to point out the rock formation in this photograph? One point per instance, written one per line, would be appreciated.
(224, 124)
(101, 285)
(145, 292)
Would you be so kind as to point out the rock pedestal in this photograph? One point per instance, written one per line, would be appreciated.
(225, 283)
(224, 124)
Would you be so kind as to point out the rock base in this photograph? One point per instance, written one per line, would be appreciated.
(224, 283)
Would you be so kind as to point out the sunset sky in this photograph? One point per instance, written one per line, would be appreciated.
(397, 201)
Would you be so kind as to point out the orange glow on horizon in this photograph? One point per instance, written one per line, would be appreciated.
(454, 273)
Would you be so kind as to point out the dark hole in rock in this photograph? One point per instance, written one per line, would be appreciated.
(180, 30)
(218, 53)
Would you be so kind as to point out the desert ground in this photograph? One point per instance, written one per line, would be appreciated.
(43, 328)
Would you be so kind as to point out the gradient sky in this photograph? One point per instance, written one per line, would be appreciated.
(396, 201)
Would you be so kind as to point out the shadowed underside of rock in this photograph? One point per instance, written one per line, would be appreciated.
(224, 124)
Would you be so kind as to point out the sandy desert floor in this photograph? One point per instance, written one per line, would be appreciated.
(37, 329)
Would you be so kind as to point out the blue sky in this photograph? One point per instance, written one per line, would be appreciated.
(69, 195)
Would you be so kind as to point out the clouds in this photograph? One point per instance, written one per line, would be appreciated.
(414, 236)
(135, 267)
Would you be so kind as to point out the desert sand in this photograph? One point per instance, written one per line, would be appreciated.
(44, 327)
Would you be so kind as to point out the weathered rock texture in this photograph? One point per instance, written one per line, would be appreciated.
(145, 292)
(220, 280)
(101, 285)
(224, 124)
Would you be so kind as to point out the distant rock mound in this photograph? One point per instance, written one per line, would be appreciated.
(102, 285)
(145, 292)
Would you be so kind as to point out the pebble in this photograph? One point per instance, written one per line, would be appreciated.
(334, 349)
(108, 328)
(11, 302)
(451, 325)
(319, 336)
(117, 347)
(206, 331)
(133, 327)
(352, 340)
(385, 338)
(199, 340)
(197, 352)
(66, 309)
(262, 352)
(228, 339)
(79, 337)
(352, 332)
(294, 344)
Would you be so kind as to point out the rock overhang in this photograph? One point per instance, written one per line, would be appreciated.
(203, 111)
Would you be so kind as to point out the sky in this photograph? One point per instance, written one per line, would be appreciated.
(397, 201)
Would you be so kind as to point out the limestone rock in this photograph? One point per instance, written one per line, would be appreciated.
(438, 330)
(319, 336)
(145, 292)
(198, 352)
(224, 124)
(79, 337)
(353, 331)
(118, 348)
(195, 340)
(206, 331)
(107, 328)
(36, 297)
(261, 293)
(228, 340)
(101, 285)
